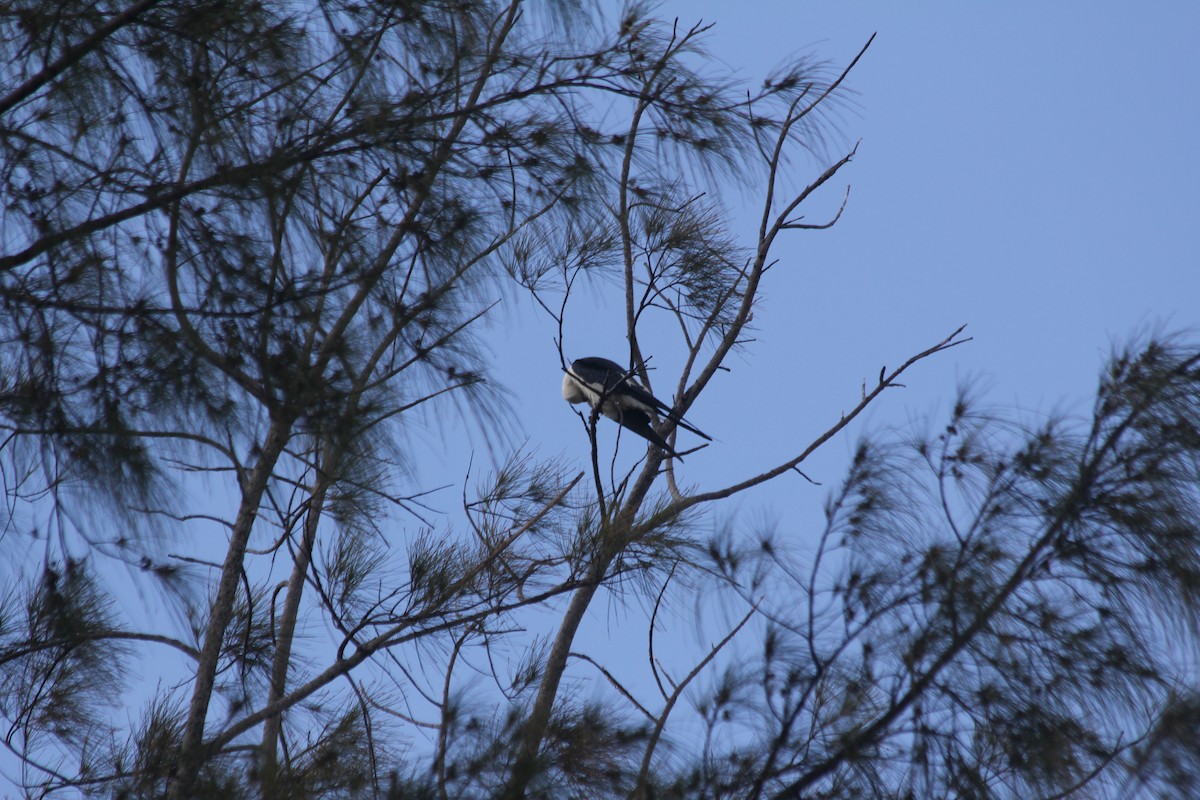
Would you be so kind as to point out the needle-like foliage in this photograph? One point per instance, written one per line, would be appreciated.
(994, 610)
(248, 252)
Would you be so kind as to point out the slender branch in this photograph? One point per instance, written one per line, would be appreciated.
(190, 755)
(886, 383)
(642, 789)
(615, 684)
(1064, 514)
(30, 648)
(73, 54)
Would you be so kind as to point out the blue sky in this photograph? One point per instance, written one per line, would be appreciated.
(1028, 169)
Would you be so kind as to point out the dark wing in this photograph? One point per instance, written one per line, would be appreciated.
(600, 373)
(639, 422)
(612, 379)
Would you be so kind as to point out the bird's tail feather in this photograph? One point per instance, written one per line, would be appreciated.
(681, 422)
(640, 424)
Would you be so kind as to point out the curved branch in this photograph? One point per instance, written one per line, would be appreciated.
(74, 53)
(29, 649)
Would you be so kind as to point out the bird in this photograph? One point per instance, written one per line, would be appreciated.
(600, 382)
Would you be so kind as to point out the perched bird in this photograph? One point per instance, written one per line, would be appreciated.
(604, 383)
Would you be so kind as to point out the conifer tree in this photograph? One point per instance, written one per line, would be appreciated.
(248, 249)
